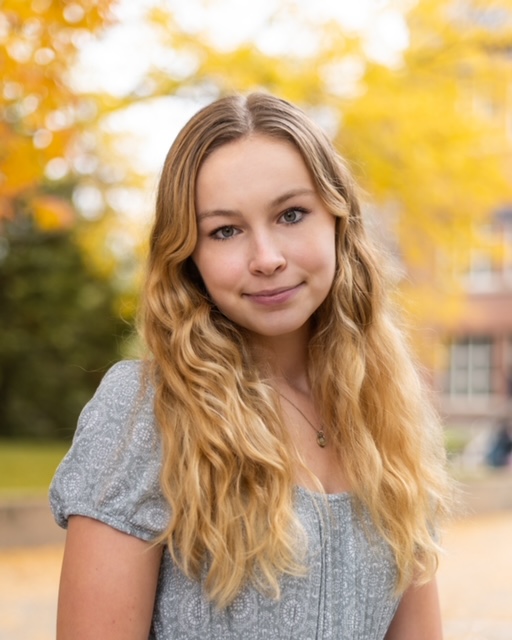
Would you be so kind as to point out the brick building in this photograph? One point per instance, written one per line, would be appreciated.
(475, 385)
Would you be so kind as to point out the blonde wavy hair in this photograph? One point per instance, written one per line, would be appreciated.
(228, 466)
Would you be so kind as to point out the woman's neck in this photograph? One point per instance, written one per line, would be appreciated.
(284, 358)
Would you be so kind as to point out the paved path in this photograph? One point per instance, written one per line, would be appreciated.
(29, 580)
(475, 580)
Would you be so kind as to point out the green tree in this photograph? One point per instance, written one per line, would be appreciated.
(59, 311)
(60, 331)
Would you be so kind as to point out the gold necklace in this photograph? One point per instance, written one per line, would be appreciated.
(321, 440)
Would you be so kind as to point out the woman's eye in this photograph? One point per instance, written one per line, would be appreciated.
(293, 215)
(224, 233)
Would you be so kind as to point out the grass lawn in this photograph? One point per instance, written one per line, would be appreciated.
(28, 467)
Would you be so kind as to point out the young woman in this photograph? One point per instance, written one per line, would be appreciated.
(272, 469)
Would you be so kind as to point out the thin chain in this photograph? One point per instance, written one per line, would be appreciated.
(321, 440)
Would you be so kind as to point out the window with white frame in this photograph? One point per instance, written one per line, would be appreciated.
(482, 274)
(470, 367)
(484, 269)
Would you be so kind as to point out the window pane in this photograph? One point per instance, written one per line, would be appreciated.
(480, 382)
(460, 356)
(470, 371)
(481, 355)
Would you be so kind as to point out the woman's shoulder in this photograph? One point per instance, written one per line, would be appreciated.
(119, 416)
(124, 391)
(111, 472)
(123, 376)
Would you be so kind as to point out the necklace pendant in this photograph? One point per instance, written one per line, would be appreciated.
(321, 440)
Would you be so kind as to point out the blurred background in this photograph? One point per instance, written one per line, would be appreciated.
(416, 95)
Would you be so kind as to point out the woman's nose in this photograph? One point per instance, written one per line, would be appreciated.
(266, 257)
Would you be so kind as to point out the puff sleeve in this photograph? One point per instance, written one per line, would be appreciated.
(112, 471)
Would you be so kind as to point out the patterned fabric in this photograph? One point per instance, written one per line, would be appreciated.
(111, 473)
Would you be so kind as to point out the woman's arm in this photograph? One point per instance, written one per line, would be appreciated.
(108, 583)
(418, 616)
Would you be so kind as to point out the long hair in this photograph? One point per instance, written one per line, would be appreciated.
(228, 470)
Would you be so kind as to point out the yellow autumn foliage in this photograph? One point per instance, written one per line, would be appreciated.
(40, 114)
(51, 213)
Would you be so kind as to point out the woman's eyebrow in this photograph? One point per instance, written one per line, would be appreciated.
(291, 194)
(229, 213)
(232, 213)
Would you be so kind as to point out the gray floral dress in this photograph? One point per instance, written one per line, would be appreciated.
(111, 473)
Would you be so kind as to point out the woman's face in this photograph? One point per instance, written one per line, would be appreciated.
(266, 243)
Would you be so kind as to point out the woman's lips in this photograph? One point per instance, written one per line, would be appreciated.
(273, 296)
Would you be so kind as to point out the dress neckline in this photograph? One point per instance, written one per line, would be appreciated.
(342, 495)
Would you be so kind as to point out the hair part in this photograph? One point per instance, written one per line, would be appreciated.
(228, 463)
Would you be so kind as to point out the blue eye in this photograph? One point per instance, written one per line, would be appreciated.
(294, 215)
(224, 233)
